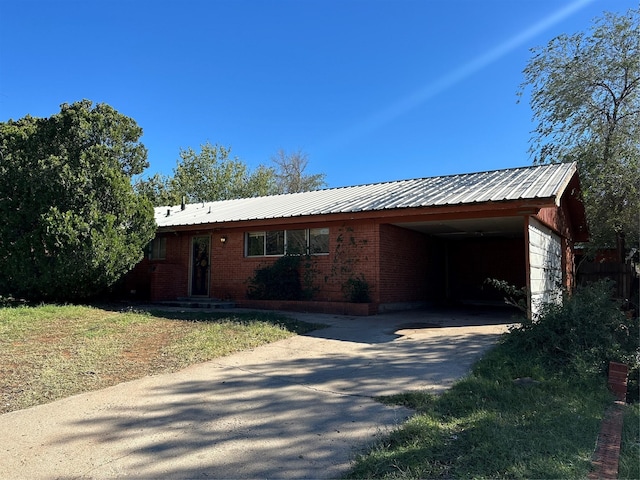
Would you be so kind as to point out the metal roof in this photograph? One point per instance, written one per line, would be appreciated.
(537, 182)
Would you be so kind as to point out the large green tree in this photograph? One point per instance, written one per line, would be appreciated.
(205, 176)
(585, 96)
(213, 174)
(71, 221)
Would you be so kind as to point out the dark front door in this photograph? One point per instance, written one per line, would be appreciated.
(200, 266)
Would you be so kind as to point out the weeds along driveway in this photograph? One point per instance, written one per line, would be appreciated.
(297, 408)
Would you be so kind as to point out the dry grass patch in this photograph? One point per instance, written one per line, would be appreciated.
(50, 352)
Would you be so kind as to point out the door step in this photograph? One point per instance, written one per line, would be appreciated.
(209, 303)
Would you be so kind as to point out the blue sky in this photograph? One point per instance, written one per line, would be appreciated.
(371, 90)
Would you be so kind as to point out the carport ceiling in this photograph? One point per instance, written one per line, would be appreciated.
(511, 227)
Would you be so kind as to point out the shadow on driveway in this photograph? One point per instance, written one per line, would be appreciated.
(297, 408)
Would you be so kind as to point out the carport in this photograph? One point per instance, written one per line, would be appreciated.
(470, 251)
(524, 237)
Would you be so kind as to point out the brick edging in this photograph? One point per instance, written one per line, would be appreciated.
(607, 453)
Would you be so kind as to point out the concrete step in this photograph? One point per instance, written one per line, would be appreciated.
(208, 303)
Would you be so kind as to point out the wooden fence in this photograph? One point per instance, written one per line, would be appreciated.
(622, 274)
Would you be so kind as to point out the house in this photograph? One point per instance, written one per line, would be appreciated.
(410, 242)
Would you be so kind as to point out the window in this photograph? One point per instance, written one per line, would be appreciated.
(296, 242)
(255, 244)
(292, 242)
(275, 243)
(157, 248)
(318, 240)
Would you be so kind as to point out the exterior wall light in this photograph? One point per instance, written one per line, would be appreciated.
(223, 239)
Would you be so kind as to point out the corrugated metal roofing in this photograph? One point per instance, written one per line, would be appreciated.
(544, 181)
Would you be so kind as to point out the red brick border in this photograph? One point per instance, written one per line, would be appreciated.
(607, 454)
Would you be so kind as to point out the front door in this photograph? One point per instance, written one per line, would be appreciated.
(200, 266)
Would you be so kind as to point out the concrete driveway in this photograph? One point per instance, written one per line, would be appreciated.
(298, 408)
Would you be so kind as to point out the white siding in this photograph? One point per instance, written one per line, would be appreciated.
(545, 265)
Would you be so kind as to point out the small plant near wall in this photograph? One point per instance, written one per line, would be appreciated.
(280, 281)
(346, 258)
(356, 290)
(514, 296)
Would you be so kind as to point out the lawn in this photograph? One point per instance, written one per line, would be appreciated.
(488, 426)
(50, 352)
(629, 466)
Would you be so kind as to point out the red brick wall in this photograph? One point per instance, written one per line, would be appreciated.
(352, 251)
(170, 277)
(399, 265)
(408, 261)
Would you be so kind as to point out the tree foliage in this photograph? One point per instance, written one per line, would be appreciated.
(213, 174)
(205, 176)
(290, 173)
(585, 96)
(72, 224)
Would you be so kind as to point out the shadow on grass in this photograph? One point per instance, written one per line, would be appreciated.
(292, 325)
(245, 318)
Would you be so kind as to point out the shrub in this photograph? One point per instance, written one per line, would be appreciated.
(585, 332)
(72, 224)
(356, 290)
(280, 281)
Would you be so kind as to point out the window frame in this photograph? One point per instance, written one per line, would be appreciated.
(157, 249)
(281, 239)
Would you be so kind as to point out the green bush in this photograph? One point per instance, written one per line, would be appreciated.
(356, 290)
(280, 281)
(585, 332)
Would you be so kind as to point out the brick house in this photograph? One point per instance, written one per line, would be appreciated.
(414, 242)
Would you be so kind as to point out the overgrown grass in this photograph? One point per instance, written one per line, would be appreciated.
(49, 352)
(531, 408)
(629, 467)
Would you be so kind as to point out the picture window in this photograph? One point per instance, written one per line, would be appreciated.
(314, 241)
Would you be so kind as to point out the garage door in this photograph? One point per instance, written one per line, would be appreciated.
(545, 265)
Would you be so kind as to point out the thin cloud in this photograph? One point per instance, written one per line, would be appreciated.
(422, 95)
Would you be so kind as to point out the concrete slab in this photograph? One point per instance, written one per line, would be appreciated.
(298, 408)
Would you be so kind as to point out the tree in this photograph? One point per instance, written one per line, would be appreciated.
(207, 176)
(585, 96)
(290, 176)
(71, 221)
(157, 189)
